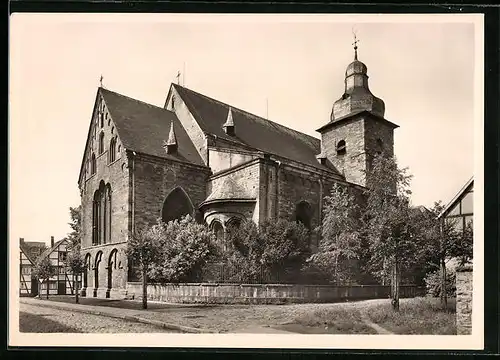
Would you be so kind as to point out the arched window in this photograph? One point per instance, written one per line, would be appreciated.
(176, 205)
(303, 214)
(341, 147)
(112, 150)
(97, 263)
(101, 215)
(101, 117)
(109, 214)
(218, 231)
(92, 164)
(86, 270)
(101, 143)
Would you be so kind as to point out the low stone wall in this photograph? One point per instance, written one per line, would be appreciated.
(464, 300)
(208, 293)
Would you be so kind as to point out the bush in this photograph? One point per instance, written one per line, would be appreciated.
(433, 283)
(269, 252)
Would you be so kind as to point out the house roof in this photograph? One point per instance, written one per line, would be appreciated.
(144, 128)
(26, 253)
(457, 197)
(48, 251)
(251, 130)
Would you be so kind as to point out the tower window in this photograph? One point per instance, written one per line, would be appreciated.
(341, 147)
(380, 146)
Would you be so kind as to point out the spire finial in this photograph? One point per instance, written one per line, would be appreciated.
(355, 43)
(171, 144)
(100, 80)
(229, 124)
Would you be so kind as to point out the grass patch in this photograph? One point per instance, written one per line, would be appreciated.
(334, 320)
(421, 316)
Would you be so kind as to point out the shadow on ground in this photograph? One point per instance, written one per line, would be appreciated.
(137, 304)
(30, 323)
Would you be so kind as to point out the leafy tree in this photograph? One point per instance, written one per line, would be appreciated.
(273, 248)
(184, 246)
(341, 240)
(388, 221)
(144, 250)
(44, 270)
(442, 241)
(75, 263)
(433, 283)
(75, 236)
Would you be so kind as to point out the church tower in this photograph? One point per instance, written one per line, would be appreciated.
(357, 129)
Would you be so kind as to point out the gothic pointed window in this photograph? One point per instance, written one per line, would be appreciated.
(92, 164)
(101, 143)
(112, 150)
(101, 215)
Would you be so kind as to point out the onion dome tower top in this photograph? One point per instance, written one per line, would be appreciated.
(357, 95)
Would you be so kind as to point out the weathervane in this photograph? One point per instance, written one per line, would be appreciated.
(355, 43)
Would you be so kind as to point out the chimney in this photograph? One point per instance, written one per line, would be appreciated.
(21, 240)
(51, 241)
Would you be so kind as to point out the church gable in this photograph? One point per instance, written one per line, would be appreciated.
(122, 123)
(103, 146)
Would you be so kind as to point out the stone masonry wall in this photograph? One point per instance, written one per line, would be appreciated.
(353, 162)
(116, 174)
(464, 300)
(155, 178)
(213, 293)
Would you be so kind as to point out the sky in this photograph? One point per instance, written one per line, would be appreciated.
(421, 66)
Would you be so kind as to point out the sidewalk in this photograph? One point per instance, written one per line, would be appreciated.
(118, 313)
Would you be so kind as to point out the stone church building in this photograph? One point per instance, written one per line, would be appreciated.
(197, 155)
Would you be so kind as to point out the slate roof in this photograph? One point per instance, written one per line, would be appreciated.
(229, 190)
(144, 128)
(252, 130)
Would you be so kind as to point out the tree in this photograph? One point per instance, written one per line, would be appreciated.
(144, 250)
(44, 270)
(442, 241)
(75, 263)
(184, 246)
(75, 235)
(388, 222)
(340, 236)
(274, 248)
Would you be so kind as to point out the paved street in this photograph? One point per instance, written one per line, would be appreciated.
(47, 320)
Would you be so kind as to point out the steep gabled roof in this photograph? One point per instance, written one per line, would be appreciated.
(26, 253)
(457, 197)
(252, 130)
(49, 250)
(144, 128)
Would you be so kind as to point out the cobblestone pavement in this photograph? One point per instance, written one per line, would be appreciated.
(46, 320)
